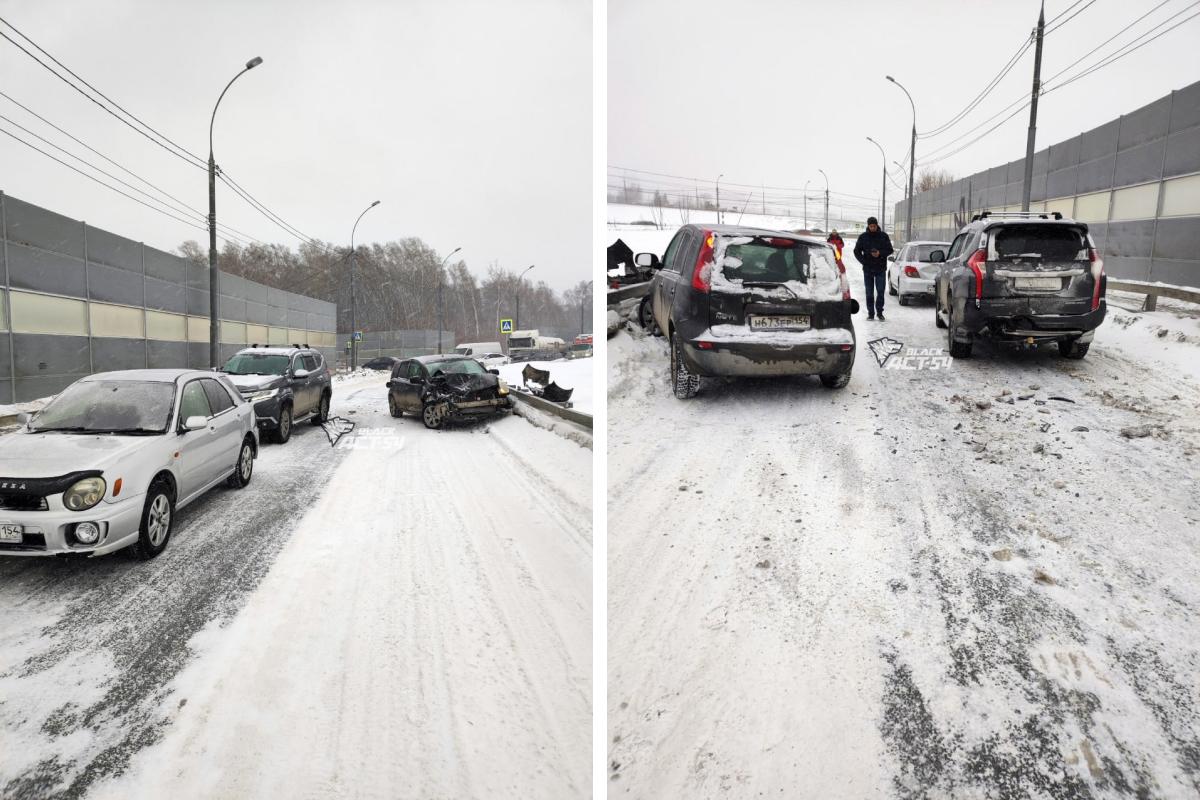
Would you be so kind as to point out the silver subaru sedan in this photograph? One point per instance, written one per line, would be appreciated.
(108, 462)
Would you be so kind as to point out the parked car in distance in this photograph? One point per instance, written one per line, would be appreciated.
(446, 388)
(492, 360)
(107, 463)
(384, 363)
(477, 349)
(581, 347)
(910, 272)
(740, 301)
(286, 385)
(1021, 278)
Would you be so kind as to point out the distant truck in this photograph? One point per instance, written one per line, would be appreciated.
(530, 345)
(581, 347)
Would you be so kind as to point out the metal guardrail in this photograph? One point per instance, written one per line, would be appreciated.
(615, 296)
(569, 414)
(1153, 291)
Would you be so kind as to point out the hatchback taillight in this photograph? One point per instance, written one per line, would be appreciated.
(1097, 275)
(978, 262)
(702, 274)
(912, 272)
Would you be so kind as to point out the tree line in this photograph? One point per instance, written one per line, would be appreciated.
(396, 287)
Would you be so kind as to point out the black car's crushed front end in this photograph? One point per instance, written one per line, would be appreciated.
(461, 396)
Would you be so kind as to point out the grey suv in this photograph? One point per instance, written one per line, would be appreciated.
(285, 384)
(737, 301)
(1021, 278)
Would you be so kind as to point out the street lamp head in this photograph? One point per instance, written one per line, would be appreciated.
(374, 204)
(254, 62)
(890, 78)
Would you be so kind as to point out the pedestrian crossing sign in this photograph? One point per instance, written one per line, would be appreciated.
(506, 326)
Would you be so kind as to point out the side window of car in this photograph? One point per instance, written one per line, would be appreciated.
(218, 399)
(956, 246)
(310, 362)
(194, 402)
(400, 370)
(688, 253)
(673, 247)
(414, 370)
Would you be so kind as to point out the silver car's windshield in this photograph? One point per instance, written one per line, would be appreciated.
(128, 407)
(256, 364)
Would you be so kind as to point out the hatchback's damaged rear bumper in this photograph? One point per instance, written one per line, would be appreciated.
(826, 352)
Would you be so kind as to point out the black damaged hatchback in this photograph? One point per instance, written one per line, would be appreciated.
(441, 388)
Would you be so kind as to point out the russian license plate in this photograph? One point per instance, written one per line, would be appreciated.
(11, 533)
(779, 323)
(1038, 283)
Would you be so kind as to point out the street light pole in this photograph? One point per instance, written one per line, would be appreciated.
(826, 200)
(353, 319)
(443, 266)
(214, 325)
(517, 325)
(912, 161)
(584, 302)
(806, 183)
(883, 197)
(722, 175)
(1027, 183)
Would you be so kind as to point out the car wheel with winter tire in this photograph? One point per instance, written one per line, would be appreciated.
(646, 317)
(394, 408)
(903, 299)
(430, 417)
(284, 430)
(158, 515)
(322, 415)
(1073, 348)
(684, 382)
(835, 381)
(892, 290)
(937, 312)
(244, 467)
(957, 349)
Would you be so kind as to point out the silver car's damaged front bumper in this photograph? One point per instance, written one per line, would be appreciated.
(48, 533)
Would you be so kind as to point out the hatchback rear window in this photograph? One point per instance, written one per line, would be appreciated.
(920, 252)
(743, 260)
(1044, 242)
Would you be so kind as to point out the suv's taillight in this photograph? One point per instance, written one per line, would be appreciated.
(702, 274)
(977, 262)
(1097, 275)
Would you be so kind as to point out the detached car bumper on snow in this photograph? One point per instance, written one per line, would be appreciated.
(51, 532)
(739, 352)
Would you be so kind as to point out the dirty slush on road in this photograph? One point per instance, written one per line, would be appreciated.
(971, 582)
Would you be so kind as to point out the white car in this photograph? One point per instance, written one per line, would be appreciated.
(108, 462)
(912, 274)
(493, 360)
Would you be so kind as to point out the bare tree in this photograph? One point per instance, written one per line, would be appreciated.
(932, 179)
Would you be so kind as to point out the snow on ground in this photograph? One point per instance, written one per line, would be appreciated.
(574, 374)
(407, 615)
(920, 585)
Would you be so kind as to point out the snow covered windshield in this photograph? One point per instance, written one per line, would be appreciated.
(467, 366)
(806, 268)
(1046, 242)
(109, 407)
(256, 364)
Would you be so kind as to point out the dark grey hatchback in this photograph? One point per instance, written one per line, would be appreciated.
(1021, 278)
(737, 301)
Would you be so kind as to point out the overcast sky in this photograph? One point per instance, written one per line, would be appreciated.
(471, 121)
(771, 90)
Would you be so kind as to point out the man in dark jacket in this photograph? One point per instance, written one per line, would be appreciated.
(871, 250)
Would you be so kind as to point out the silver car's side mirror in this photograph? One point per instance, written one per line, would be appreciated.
(300, 373)
(195, 423)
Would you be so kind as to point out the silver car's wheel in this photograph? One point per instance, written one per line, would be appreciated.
(160, 520)
(244, 468)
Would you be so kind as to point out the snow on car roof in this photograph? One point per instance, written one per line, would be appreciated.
(159, 375)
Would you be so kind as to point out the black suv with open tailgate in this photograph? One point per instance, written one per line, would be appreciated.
(1021, 278)
(737, 301)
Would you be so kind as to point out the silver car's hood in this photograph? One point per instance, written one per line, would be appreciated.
(47, 455)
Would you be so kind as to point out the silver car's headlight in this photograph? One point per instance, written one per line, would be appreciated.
(84, 494)
(261, 395)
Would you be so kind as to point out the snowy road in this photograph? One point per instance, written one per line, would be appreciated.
(898, 591)
(407, 615)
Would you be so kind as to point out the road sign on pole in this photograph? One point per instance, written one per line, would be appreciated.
(506, 326)
(357, 336)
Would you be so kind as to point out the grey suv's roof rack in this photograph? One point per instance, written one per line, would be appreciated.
(1018, 215)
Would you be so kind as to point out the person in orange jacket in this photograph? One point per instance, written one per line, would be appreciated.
(836, 240)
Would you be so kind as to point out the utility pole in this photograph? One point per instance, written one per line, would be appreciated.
(440, 324)
(806, 183)
(584, 303)
(883, 196)
(826, 200)
(517, 323)
(353, 320)
(1033, 103)
(764, 191)
(722, 175)
(912, 160)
